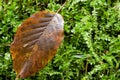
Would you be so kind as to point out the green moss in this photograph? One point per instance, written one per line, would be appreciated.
(90, 50)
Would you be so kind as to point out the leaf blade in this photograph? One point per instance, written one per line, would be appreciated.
(31, 50)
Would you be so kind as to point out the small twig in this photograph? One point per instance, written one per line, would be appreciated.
(86, 67)
(61, 6)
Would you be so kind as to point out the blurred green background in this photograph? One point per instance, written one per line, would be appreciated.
(91, 46)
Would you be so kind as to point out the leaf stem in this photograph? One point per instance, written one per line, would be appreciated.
(17, 77)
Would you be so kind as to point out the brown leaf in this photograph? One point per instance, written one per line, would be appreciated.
(36, 42)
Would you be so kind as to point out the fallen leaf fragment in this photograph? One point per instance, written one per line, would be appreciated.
(36, 42)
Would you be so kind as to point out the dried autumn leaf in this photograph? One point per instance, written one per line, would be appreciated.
(36, 42)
